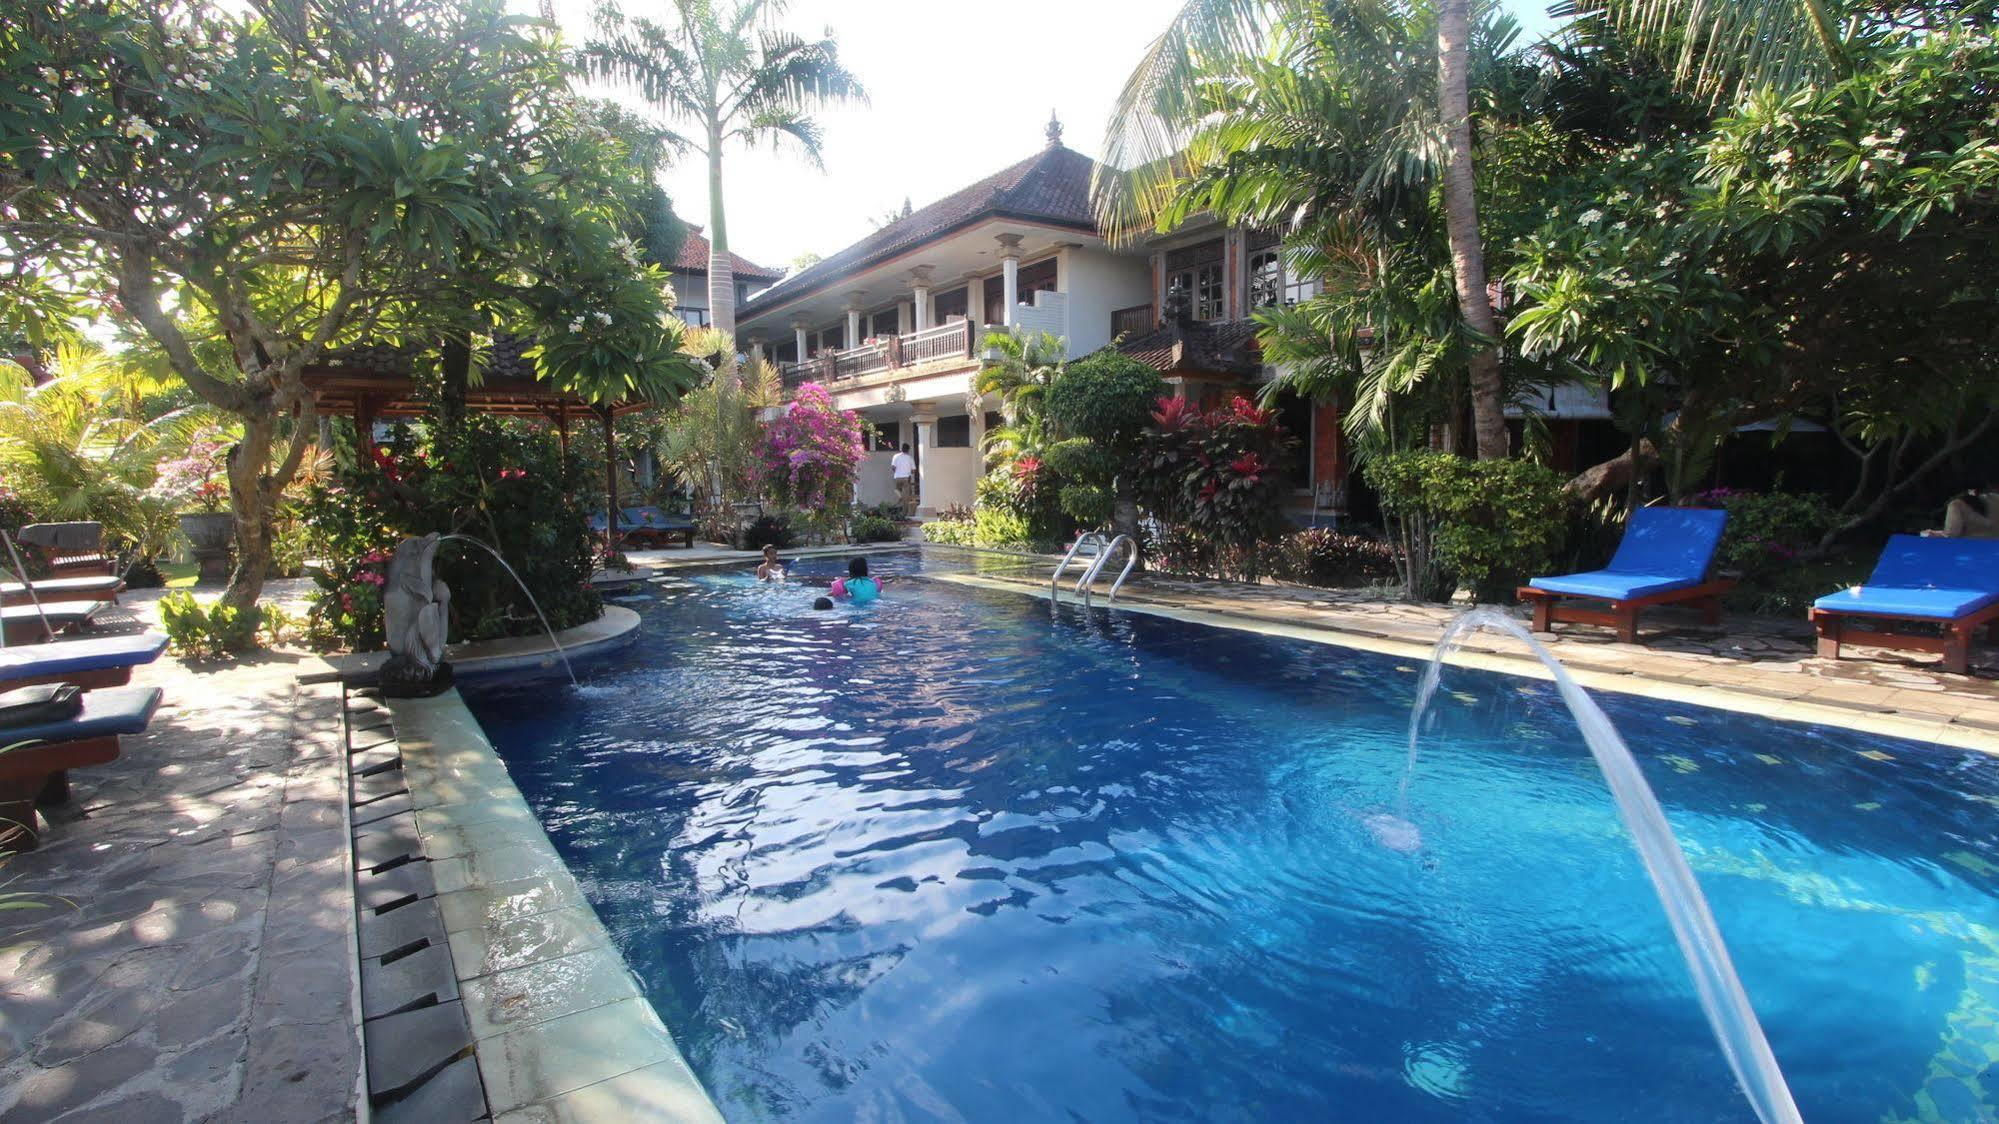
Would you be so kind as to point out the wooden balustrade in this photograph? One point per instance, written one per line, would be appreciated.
(1134, 321)
(946, 341)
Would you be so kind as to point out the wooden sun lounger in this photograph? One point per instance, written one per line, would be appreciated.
(1663, 559)
(50, 591)
(37, 767)
(1951, 584)
(1551, 608)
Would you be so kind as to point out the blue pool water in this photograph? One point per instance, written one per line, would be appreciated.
(951, 857)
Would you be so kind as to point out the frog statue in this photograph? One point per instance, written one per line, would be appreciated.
(416, 614)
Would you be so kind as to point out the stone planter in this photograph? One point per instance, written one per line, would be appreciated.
(210, 534)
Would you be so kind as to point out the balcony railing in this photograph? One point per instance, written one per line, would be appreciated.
(946, 341)
(1134, 321)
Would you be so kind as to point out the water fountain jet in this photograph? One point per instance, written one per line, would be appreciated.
(1721, 995)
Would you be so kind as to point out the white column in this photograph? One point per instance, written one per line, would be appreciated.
(919, 294)
(975, 303)
(756, 349)
(1010, 265)
(853, 327)
(925, 424)
(975, 408)
(798, 330)
(905, 318)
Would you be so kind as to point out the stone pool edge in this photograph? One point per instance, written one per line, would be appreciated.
(1715, 696)
(561, 1028)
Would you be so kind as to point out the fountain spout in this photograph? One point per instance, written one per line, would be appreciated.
(1721, 994)
(526, 592)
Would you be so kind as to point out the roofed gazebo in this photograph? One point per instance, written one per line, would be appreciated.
(373, 382)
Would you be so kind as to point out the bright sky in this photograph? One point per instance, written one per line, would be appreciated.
(956, 90)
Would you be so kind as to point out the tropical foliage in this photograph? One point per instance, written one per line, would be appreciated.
(808, 455)
(1213, 479)
(247, 190)
(501, 482)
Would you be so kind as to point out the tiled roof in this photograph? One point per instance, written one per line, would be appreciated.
(1220, 347)
(694, 259)
(1053, 185)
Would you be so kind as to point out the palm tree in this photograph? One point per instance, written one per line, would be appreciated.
(730, 74)
(1414, 129)
(1022, 369)
(1722, 48)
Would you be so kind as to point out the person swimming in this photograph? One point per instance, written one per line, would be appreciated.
(857, 585)
(772, 570)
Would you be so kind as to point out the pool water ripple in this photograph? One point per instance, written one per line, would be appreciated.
(949, 857)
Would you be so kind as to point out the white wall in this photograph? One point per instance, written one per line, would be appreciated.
(948, 476)
(1048, 313)
(1098, 284)
(690, 291)
(876, 479)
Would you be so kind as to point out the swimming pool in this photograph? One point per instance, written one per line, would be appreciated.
(951, 857)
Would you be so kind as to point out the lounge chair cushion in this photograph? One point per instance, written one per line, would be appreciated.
(1609, 585)
(61, 614)
(1926, 578)
(106, 711)
(1663, 549)
(653, 519)
(91, 583)
(88, 653)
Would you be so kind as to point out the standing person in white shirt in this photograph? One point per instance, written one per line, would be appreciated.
(904, 467)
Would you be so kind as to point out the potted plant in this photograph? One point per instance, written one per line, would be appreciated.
(197, 484)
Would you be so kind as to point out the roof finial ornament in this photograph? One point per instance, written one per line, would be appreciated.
(1054, 130)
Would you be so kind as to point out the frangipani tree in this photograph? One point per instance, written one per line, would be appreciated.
(251, 190)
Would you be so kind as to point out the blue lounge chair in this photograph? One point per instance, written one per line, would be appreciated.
(87, 661)
(89, 587)
(40, 756)
(1663, 560)
(1950, 583)
(22, 624)
(651, 523)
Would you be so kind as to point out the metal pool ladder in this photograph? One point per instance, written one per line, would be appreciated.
(1091, 544)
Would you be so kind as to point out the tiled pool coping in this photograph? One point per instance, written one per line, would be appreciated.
(1849, 706)
(561, 1030)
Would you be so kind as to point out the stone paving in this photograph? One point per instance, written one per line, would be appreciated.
(187, 954)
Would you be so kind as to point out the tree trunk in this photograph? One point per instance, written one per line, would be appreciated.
(455, 368)
(1461, 220)
(247, 460)
(721, 277)
(1598, 481)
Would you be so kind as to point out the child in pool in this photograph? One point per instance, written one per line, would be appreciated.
(772, 570)
(857, 585)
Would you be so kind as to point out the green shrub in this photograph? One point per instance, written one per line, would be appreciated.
(1105, 398)
(502, 482)
(876, 528)
(1000, 529)
(1767, 531)
(1029, 492)
(773, 529)
(1322, 556)
(1484, 525)
(195, 632)
(951, 532)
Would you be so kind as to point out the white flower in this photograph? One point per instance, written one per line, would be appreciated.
(288, 109)
(195, 82)
(1671, 259)
(627, 249)
(48, 75)
(603, 318)
(343, 88)
(505, 179)
(1618, 225)
(1590, 217)
(139, 130)
(382, 113)
(475, 157)
(576, 325)
(1662, 210)
(1782, 158)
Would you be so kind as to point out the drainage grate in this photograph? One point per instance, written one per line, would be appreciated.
(418, 1043)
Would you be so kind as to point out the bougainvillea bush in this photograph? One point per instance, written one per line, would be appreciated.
(198, 480)
(501, 482)
(808, 456)
(1214, 480)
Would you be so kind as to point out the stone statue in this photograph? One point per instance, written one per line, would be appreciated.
(416, 614)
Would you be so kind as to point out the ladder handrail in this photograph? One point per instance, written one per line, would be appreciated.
(1083, 586)
(1129, 564)
(1055, 582)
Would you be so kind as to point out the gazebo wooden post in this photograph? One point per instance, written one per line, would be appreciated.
(562, 428)
(610, 480)
(364, 421)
